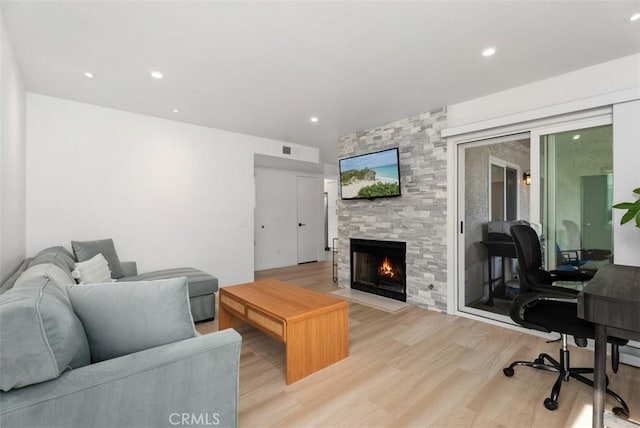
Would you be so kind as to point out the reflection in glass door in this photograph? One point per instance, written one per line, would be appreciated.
(576, 198)
(490, 189)
(503, 191)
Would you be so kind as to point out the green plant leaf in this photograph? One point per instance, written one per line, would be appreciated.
(624, 205)
(629, 215)
(633, 209)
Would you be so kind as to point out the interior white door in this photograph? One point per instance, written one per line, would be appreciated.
(308, 210)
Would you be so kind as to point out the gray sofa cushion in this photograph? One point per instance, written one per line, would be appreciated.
(45, 270)
(203, 307)
(12, 279)
(59, 256)
(128, 269)
(41, 336)
(84, 250)
(196, 376)
(200, 283)
(126, 317)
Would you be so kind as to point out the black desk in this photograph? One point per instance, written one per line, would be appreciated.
(612, 301)
(503, 249)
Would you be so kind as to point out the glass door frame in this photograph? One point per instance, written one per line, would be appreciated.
(460, 307)
(457, 143)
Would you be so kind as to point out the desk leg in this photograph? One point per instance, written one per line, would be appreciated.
(600, 371)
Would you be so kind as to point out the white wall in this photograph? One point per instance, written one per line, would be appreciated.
(276, 230)
(626, 162)
(12, 160)
(606, 78)
(170, 194)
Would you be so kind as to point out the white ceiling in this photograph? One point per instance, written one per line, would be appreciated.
(264, 68)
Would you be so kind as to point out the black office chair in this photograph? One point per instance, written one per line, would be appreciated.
(542, 306)
(532, 272)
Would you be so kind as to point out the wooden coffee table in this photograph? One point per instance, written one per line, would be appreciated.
(313, 326)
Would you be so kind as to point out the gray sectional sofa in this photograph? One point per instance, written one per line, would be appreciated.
(202, 286)
(122, 354)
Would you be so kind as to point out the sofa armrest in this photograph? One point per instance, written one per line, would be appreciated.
(129, 268)
(157, 387)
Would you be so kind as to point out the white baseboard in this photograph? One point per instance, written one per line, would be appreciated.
(630, 355)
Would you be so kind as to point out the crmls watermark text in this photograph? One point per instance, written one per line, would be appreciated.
(198, 419)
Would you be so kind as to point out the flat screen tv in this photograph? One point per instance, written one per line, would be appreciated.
(370, 176)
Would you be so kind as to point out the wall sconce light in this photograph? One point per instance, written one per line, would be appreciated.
(526, 177)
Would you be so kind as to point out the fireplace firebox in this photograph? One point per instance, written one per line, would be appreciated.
(379, 267)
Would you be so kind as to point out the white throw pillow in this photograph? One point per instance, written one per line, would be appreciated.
(94, 270)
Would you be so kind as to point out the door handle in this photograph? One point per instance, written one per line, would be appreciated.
(301, 224)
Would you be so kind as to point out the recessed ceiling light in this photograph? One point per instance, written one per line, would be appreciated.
(88, 75)
(576, 137)
(314, 119)
(635, 17)
(175, 110)
(156, 75)
(488, 51)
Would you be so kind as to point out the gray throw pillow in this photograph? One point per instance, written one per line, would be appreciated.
(41, 337)
(85, 250)
(126, 317)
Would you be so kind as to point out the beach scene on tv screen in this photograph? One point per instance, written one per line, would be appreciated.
(370, 176)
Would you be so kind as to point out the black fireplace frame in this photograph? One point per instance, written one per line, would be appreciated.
(379, 248)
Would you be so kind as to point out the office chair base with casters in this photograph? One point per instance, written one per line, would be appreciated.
(565, 372)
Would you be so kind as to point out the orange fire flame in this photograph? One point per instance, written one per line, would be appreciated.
(386, 269)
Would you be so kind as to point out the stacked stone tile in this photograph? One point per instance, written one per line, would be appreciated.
(418, 217)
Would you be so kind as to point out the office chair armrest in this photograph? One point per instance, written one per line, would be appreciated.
(559, 299)
(556, 290)
(520, 302)
(525, 300)
(577, 276)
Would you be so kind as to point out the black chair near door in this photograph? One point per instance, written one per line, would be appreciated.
(542, 306)
(575, 256)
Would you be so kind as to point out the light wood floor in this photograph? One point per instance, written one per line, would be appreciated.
(415, 368)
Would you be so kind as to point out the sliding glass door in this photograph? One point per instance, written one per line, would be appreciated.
(576, 187)
(559, 179)
(491, 189)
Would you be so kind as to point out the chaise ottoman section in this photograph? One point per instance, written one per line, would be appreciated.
(202, 288)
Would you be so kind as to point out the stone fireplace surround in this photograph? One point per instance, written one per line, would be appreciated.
(418, 217)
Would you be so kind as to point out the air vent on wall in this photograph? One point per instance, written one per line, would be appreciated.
(286, 150)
